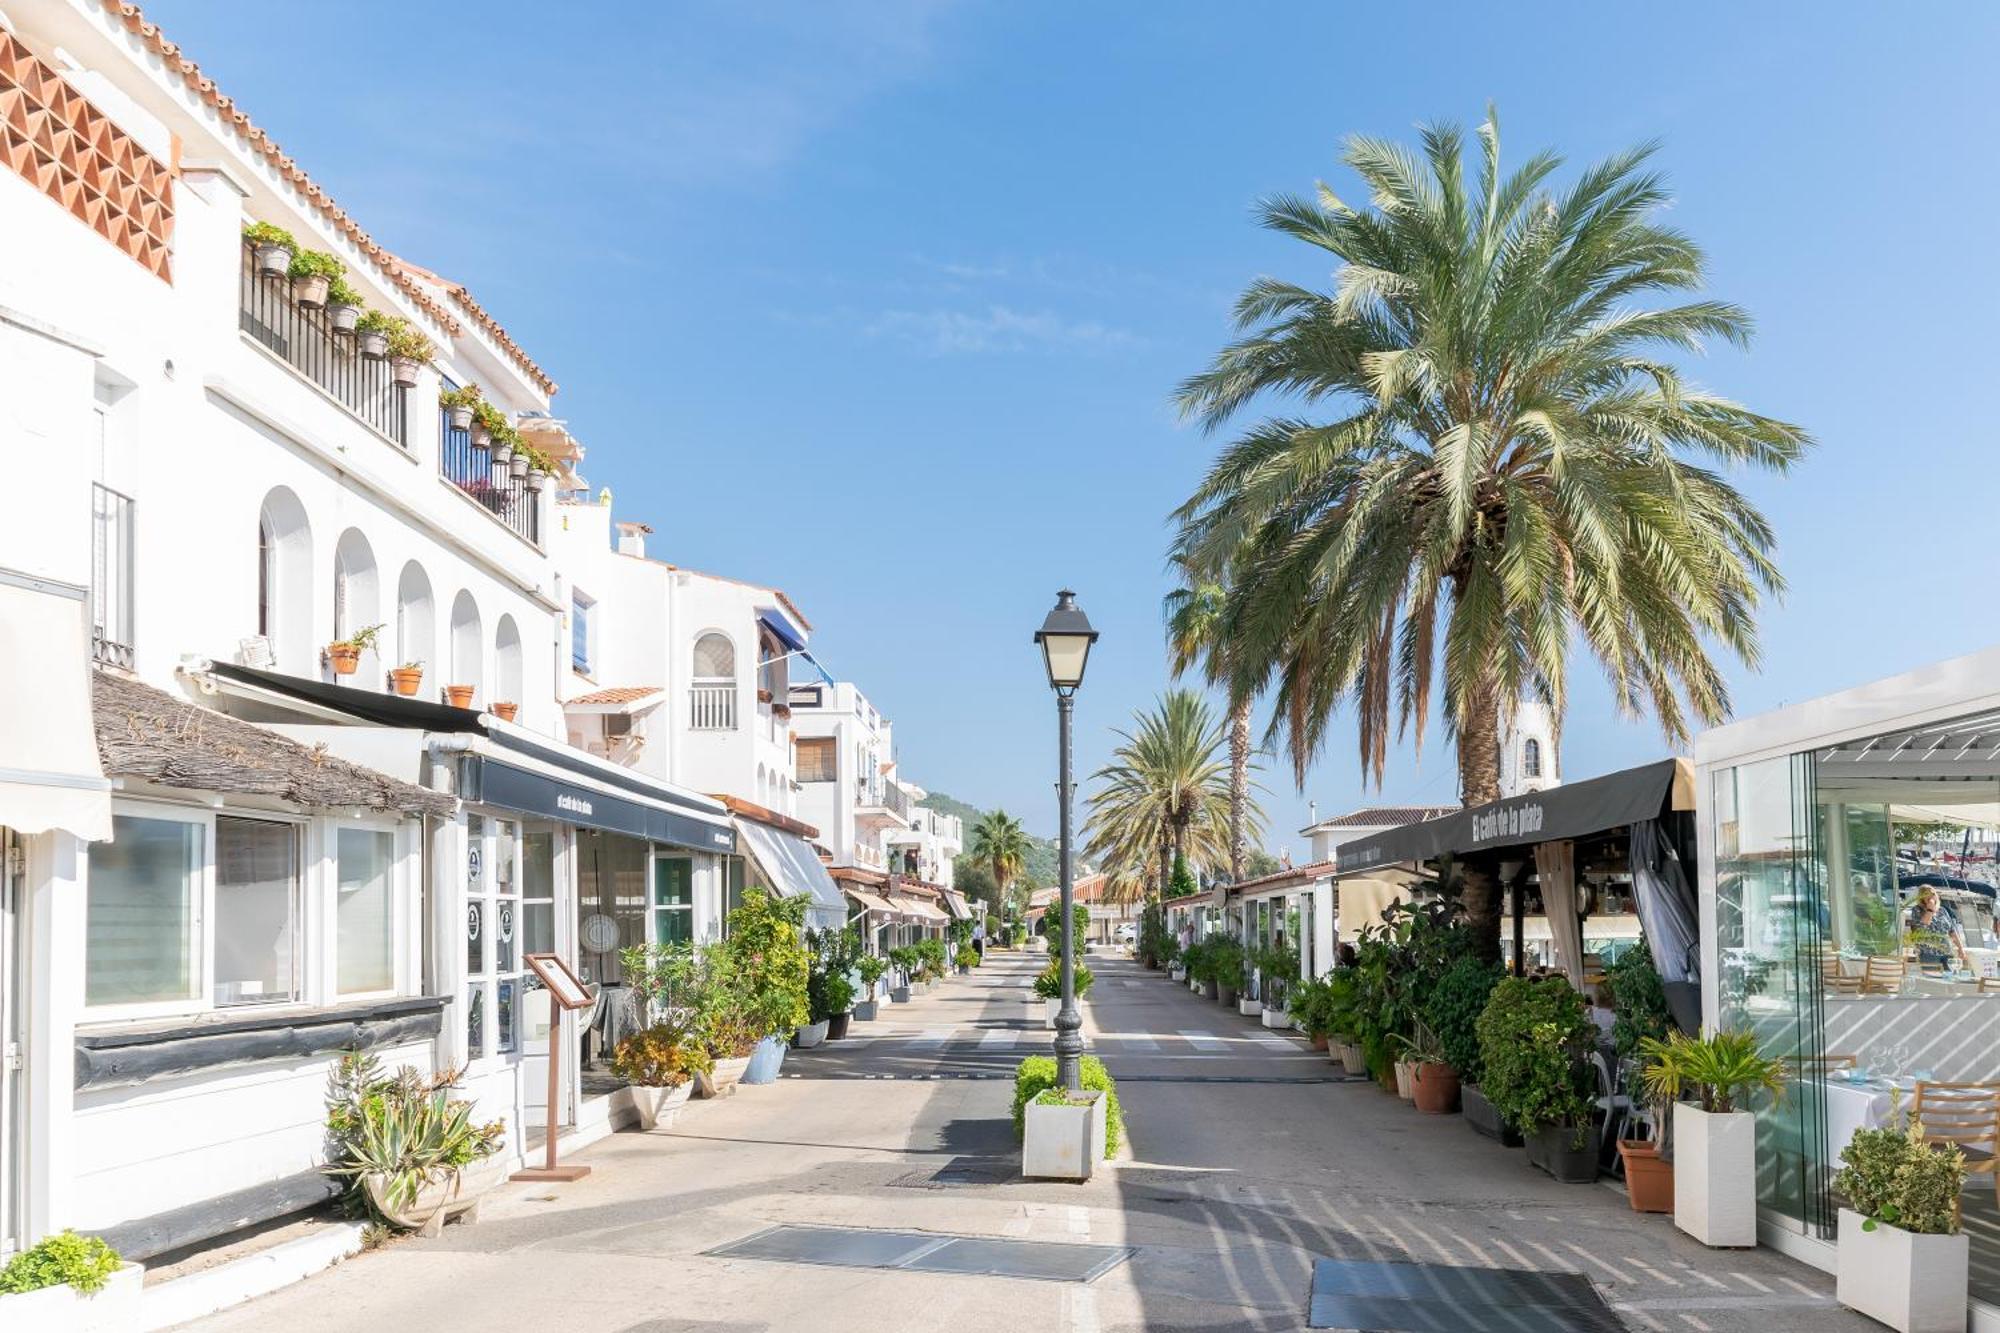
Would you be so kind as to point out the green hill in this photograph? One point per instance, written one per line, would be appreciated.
(1038, 871)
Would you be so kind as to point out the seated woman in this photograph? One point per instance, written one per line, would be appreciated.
(1936, 931)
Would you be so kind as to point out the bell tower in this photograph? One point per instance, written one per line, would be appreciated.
(1528, 757)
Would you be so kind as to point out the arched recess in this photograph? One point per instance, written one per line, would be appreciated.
(357, 601)
(714, 658)
(416, 621)
(467, 647)
(1531, 758)
(507, 662)
(283, 607)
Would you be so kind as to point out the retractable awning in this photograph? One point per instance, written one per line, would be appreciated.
(1573, 810)
(918, 909)
(871, 903)
(794, 869)
(49, 772)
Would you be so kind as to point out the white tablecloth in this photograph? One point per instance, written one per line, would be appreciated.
(1851, 1107)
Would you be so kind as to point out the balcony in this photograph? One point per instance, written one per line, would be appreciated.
(305, 339)
(111, 577)
(712, 707)
(885, 806)
(491, 486)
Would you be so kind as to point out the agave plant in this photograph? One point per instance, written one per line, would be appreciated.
(407, 1129)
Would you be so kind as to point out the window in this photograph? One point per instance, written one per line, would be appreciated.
(267, 577)
(140, 911)
(111, 576)
(366, 911)
(818, 759)
(713, 694)
(580, 627)
(256, 912)
(1531, 758)
(673, 900)
(714, 658)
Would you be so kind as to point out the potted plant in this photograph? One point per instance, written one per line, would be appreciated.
(371, 332)
(343, 305)
(409, 352)
(410, 1151)
(1278, 968)
(965, 959)
(1063, 1134)
(487, 422)
(313, 273)
(517, 466)
(271, 249)
(1048, 985)
(904, 959)
(1714, 1143)
(1450, 1011)
(870, 967)
(659, 1065)
(768, 957)
(67, 1281)
(840, 1005)
(1639, 1003)
(458, 696)
(1225, 965)
(407, 679)
(1433, 1082)
(504, 709)
(459, 404)
(1308, 1008)
(1534, 1038)
(345, 654)
(1901, 1257)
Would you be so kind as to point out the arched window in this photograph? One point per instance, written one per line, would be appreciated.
(714, 659)
(507, 662)
(712, 695)
(468, 645)
(1531, 758)
(284, 582)
(355, 604)
(416, 618)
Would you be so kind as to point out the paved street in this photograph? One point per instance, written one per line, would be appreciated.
(1250, 1156)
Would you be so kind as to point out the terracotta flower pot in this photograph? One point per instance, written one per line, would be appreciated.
(1319, 1041)
(406, 681)
(1649, 1181)
(345, 658)
(311, 292)
(404, 369)
(506, 711)
(1436, 1088)
(458, 696)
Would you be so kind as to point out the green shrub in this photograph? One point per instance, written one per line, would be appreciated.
(342, 292)
(407, 342)
(930, 958)
(1452, 1008)
(1037, 1075)
(84, 1262)
(269, 233)
(1048, 984)
(1639, 1001)
(1278, 969)
(967, 956)
(1310, 1006)
(315, 264)
(1892, 1175)
(905, 959)
(765, 945)
(1533, 1037)
(375, 321)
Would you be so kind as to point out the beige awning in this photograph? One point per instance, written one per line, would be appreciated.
(50, 777)
(870, 902)
(920, 909)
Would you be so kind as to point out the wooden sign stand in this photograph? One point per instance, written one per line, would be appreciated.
(566, 993)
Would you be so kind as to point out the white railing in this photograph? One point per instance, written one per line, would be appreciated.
(712, 707)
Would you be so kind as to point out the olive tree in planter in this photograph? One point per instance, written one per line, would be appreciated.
(313, 273)
(870, 968)
(1715, 1143)
(1534, 1040)
(906, 962)
(1901, 1256)
(271, 249)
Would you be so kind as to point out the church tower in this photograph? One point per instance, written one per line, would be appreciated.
(1528, 757)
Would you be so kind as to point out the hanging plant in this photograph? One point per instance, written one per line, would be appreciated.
(313, 273)
(459, 405)
(372, 329)
(409, 350)
(271, 248)
(343, 305)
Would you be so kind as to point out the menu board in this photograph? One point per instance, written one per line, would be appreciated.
(567, 990)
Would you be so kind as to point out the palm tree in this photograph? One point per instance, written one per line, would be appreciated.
(999, 844)
(1194, 637)
(1507, 461)
(1164, 794)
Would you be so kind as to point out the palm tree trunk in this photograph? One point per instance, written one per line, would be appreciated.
(1478, 783)
(1166, 863)
(1239, 782)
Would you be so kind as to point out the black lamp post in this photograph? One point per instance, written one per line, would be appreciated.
(1065, 639)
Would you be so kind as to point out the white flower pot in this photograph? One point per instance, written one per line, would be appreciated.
(1050, 1008)
(311, 292)
(1913, 1283)
(112, 1308)
(1406, 1080)
(342, 316)
(1276, 1018)
(454, 1194)
(1063, 1142)
(1715, 1175)
(374, 346)
(1179, 974)
(660, 1106)
(404, 370)
(811, 1035)
(460, 416)
(518, 466)
(1248, 1007)
(722, 1080)
(273, 261)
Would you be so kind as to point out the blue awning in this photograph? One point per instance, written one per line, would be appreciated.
(781, 625)
(813, 662)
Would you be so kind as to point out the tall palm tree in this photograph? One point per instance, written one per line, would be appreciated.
(999, 844)
(1165, 793)
(1194, 638)
(1506, 461)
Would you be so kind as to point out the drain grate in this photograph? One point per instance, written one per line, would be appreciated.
(1425, 1298)
(914, 1251)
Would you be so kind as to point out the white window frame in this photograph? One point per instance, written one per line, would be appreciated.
(405, 927)
(201, 967)
(582, 610)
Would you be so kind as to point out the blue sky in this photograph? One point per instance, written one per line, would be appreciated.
(929, 272)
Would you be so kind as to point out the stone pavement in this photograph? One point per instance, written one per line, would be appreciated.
(1251, 1155)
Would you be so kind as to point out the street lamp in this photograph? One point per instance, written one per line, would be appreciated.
(1065, 639)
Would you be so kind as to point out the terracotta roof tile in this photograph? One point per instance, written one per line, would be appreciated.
(616, 694)
(1376, 816)
(399, 272)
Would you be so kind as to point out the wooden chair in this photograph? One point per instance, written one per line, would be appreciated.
(1884, 976)
(1834, 981)
(1989, 985)
(1963, 1116)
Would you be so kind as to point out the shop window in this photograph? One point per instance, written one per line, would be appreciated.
(673, 900)
(256, 911)
(140, 911)
(818, 759)
(365, 947)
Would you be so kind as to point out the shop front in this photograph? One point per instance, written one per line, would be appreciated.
(1848, 889)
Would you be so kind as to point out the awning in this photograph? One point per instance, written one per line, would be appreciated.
(955, 903)
(484, 780)
(1573, 810)
(869, 902)
(793, 868)
(782, 627)
(387, 710)
(919, 909)
(49, 774)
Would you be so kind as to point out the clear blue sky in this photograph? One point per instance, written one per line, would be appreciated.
(929, 272)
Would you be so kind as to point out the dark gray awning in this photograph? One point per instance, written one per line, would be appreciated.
(486, 781)
(1574, 810)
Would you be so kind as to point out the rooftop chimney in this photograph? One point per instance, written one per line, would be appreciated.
(632, 539)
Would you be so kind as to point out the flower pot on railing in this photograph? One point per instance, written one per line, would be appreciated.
(537, 479)
(506, 711)
(404, 370)
(459, 415)
(373, 344)
(273, 260)
(342, 316)
(481, 437)
(458, 696)
(310, 291)
(406, 680)
(345, 657)
(518, 466)
(503, 454)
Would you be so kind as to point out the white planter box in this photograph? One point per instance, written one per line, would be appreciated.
(1715, 1176)
(1406, 1080)
(812, 1034)
(1249, 1008)
(1064, 1142)
(1276, 1018)
(660, 1106)
(1050, 1008)
(1913, 1283)
(1194, 985)
(113, 1308)
(1179, 974)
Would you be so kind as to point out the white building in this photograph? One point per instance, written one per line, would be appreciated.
(1530, 752)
